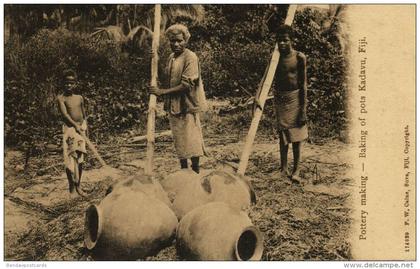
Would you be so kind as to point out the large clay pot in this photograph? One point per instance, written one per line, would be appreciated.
(188, 190)
(143, 183)
(179, 180)
(216, 231)
(184, 191)
(128, 225)
(230, 188)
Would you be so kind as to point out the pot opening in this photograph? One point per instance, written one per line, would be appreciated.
(91, 226)
(249, 245)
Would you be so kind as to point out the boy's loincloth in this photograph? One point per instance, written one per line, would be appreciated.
(187, 134)
(288, 109)
(74, 146)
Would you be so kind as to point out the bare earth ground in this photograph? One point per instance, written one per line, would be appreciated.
(299, 222)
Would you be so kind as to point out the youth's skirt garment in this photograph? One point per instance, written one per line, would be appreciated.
(74, 146)
(288, 108)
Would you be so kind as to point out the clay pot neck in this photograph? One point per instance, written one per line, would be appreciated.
(249, 246)
(93, 226)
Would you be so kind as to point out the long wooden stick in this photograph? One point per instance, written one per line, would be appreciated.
(290, 15)
(93, 148)
(152, 101)
(266, 85)
(144, 137)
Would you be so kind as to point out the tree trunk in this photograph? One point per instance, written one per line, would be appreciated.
(7, 27)
(152, 101)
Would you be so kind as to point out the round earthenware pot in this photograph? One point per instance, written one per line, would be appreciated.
(128, 225)
(216, 231)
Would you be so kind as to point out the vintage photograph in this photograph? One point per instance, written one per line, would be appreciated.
(180, 132)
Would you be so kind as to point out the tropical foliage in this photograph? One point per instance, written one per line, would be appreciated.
(108, 46)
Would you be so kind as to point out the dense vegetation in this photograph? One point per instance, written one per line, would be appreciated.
(233, 43)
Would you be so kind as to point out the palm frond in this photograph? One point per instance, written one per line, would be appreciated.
(113, 32)
(335, 24)
(173, 13)
(138, 35)
(136, 30)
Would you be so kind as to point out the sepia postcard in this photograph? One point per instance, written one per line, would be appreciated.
(210, 132)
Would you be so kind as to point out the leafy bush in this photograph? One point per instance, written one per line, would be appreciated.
(326, 72)
(112, 83)
(234, 47)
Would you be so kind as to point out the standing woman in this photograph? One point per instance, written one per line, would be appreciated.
(184, 97)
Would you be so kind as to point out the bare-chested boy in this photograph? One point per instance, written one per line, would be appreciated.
(74, 146)
(290, 95)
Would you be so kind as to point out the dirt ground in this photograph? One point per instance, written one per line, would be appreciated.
(310, 221)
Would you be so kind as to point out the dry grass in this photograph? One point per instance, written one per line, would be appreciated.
(299, 222)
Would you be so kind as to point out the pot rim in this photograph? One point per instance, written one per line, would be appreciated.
(259, 244)
(89, 242)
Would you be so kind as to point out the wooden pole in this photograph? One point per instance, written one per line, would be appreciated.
(93, 148)
(152, 101)
(266, 85)
(290, 15)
